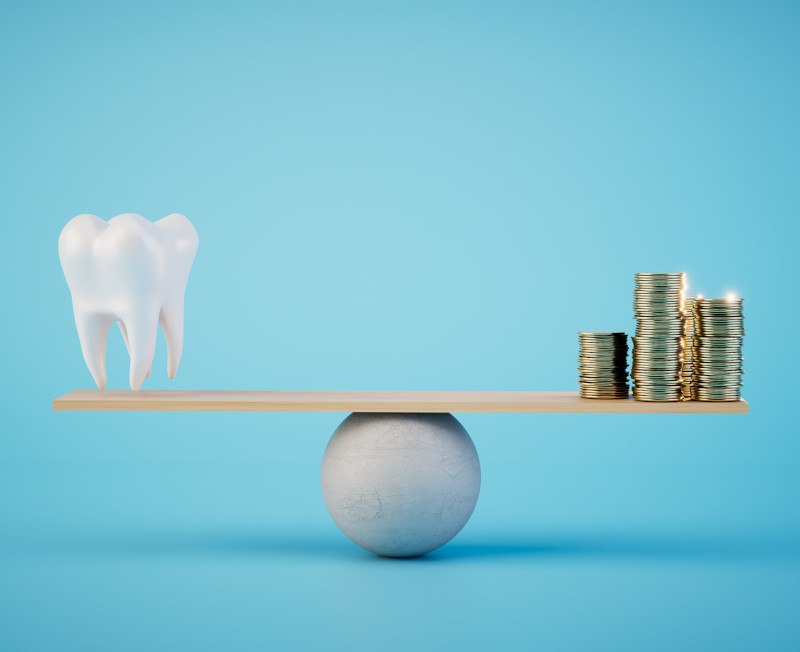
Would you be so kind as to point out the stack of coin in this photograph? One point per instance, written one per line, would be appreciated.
(603, 362)
(718, 349)
(658, 345)
(688, 345)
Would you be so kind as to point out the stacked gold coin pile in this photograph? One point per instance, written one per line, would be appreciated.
(603, 362)
(689, 333)
(718, 349)
(658, 345)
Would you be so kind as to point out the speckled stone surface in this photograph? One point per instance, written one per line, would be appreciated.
(401, 485)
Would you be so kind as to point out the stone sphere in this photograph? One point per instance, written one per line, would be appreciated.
(400, 485)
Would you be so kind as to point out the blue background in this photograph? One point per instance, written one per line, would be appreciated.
(401, 196)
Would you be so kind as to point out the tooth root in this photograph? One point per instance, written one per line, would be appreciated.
(172, 325)
(128, 346)
(93, 335)
(124, 337)
(141, 330)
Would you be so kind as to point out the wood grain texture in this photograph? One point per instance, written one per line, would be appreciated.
(374, 401)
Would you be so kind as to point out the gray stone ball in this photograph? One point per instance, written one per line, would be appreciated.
(401, 485)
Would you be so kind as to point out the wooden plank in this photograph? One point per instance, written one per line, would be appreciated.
(375, 401)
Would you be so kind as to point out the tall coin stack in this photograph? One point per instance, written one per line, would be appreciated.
(718, 349)
(603, 362)
(689, 333)
(658, 345)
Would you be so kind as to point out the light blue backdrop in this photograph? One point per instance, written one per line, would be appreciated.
(427, 195)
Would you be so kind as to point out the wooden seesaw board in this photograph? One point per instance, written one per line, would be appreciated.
(376, 401)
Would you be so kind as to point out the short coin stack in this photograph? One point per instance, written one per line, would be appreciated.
(689, 333)
(658, 345)
(603, 361)
(718, 349)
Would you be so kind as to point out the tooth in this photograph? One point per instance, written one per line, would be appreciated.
(133, 272)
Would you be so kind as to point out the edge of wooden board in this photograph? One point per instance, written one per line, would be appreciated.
(520, 402)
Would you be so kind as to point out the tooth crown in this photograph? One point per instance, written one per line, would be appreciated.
(134, 272)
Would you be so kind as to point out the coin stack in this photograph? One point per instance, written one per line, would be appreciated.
(603, 362)
(718, 349)
(688, 346)
(658, 345)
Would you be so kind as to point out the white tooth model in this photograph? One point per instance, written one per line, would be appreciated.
(134, 272)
